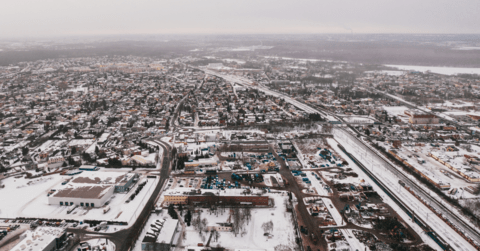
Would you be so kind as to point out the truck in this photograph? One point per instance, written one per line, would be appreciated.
(101, 226)
(106, 209)
(420, 161)
(34, 224)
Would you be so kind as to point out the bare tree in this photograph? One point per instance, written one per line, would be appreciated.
(247, 212)
(267, 227)
(282, 248)
(216, 235)
(238, 220)
(204, 223)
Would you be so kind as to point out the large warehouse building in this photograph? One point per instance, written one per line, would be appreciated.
(92, 189)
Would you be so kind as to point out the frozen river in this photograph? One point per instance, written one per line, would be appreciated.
(438, 69)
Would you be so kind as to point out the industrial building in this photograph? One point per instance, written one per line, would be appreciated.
(41, 239)
(92, 189)
(198, 197)
(421, 118)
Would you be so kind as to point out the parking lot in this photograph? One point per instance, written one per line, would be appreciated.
(188, 182)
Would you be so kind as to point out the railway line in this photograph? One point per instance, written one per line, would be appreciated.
(432, 201)
(410, 212)
(457, 244)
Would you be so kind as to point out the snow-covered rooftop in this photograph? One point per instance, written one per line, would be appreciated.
(39, 239)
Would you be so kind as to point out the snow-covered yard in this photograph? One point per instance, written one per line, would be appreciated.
(253, 234)
(20, 193)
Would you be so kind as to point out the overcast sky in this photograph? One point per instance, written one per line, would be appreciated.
(35, 18)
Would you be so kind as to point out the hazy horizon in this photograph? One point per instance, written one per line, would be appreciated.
(55, 18)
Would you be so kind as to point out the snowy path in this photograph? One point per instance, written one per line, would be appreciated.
(318, 184)
(354, 243)
(334, 212)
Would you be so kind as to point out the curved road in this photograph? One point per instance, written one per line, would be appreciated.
(125, 239)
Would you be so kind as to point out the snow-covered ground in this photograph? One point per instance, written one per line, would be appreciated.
(359, 119)
(439, 70)
(318, 184)
(282, 234)
(337, 217)
(389, 73)
(354, 243)
(20, 192)
(395, 110)
(267, 179)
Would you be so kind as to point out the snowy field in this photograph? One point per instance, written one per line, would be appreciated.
(439, 70)
(359, 119)
(20, 192)
(395, 110)
(253, 234)
(28, 198)
(389, 73)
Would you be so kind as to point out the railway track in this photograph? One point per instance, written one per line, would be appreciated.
(439, 205)
(410, 212)
(458, 222)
